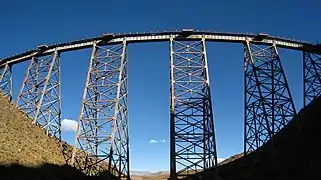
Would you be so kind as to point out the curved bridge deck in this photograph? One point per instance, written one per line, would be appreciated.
(165, 36)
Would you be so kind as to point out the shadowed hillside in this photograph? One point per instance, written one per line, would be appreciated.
(297, 153)
(26, 152)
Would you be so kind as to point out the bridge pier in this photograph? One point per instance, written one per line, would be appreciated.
(312, 77)
(192, 136)
(268, 102)
(6, 80)
(102, 132)
(39, 96)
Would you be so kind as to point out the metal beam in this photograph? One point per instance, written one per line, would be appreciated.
(39, 95)
(193, 146)
(165, 36)
(312, 77)
(102, 131)
(268, 102)
(6, 80)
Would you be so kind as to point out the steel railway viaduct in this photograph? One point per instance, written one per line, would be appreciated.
(102, 131)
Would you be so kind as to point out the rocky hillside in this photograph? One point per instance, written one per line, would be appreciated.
(26, 152)
(24, 143)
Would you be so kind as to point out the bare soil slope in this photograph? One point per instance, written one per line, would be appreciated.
(24, 143)
(26, 152)
(153, 176)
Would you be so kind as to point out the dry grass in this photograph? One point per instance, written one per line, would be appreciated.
(24, 143)
(27, 149)
(154, 176)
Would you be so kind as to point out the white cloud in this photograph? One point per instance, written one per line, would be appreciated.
(69, 125)
(153, 141)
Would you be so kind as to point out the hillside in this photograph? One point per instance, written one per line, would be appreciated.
(162, 175)
(296, 153)
(24, 143)
(26, 151)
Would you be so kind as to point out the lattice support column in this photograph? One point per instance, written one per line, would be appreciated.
(6, 80)
(268, 102)
(103, 122)
(39, 95)
(192, 139)
(312, 76)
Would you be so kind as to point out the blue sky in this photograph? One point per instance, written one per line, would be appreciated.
(25, 24)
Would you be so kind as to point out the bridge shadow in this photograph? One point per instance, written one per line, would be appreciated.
(47, 172)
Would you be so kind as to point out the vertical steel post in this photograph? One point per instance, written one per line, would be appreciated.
(173, 175)
(312, 78)
(101, 143)
(6, 80)
(39, 95)
(268, 102)
(193, 147)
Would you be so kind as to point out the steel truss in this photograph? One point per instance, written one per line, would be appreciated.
(39, 95)
(268, 102)
(192, 139)
(102, 131)
(312, 78)
(6, 80)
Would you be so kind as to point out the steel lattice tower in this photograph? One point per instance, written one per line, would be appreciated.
(102, 131)
(312, 77)
(192, 142)
(39, 95)
(6, 80)
(268, 102)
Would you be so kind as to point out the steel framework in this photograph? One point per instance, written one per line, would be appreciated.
(192, 141)
(6, 80)
(102, 131)
(39, 95)
(268, 101)
(312, 78)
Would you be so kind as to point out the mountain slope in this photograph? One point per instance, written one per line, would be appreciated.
(26, 152)
(22, 142)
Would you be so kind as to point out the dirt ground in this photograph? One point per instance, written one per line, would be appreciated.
(24, 143)
(26, 152)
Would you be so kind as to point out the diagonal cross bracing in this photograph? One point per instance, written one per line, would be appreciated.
(192, 144)
(102, 131)
(268, 102)
(39, 96)
(312, 76)
(6, 80)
